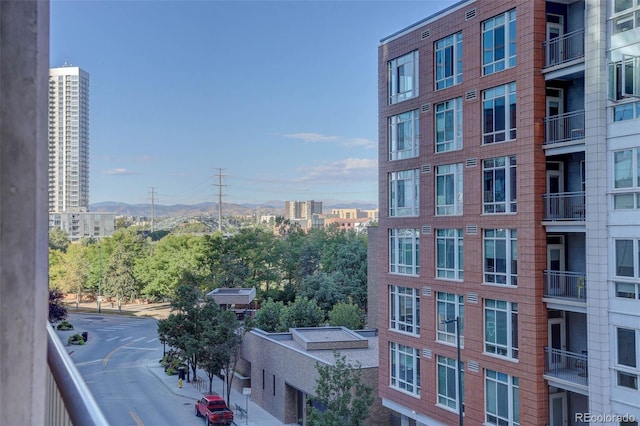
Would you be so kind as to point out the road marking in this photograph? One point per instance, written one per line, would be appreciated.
(142, 349)
(152, 340)
(113, 338)
(95, 361)
(105, 361)
(126, 338)
(137, 340)
(136, 418)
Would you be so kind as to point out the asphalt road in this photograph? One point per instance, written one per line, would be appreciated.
(114, 365)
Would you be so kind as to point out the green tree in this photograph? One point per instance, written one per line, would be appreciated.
(57, 309)
(58, 239)
(268, 317)
(347, 315)
(302, 313)
(76, 267)
(324, 289)
(120, 282)
(343, 394)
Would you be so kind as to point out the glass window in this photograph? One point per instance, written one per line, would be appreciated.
(449, 189)
(405, 368)
(627, 290)
(624, 75)
(627, 111)
(404, 251)
(403, 135)
(627, 358)
(499, 43)
(626, 179)
(501, 256)
(502, 395)
(449, 306)
(403, 78)
(449, 254)
(404, 309)
(448, 382)
(501, 328)
(449, 125)
(499, 114)
(448, 61)
(404, 190)
(499, 185)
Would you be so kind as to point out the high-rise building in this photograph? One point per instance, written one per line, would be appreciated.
(302, 209)
(509, 233)
(68, 139)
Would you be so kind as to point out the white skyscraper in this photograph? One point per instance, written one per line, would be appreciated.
(68, 139)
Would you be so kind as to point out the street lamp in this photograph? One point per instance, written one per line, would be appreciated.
(99, 298)
(457, 321)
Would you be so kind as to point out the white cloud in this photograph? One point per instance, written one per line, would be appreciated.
(311, 137)
(340, 170)
(120, 171)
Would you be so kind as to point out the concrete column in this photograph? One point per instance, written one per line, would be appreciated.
(24, 65)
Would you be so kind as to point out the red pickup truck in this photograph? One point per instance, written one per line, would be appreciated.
(215, 410)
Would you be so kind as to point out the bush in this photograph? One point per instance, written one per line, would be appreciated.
(76, 339)
(171, 362)
(64, 325)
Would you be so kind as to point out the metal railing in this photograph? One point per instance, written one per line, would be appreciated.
(564, 127)
(69, 401)
(563, 49)
(564, 206)
(565, 285)
(565, 365)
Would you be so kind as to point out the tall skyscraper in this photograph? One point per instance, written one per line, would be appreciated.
(68, 139)
(509, 236)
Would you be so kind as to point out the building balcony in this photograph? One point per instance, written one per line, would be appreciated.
(69, 401)
(566, 48)
(565, 286)
(566, 366)
(568, 127)
(564, 206)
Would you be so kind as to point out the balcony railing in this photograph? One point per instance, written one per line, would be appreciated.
(565, 285)
(567, 366)
(563, 49)
(564, 127)
(564, 206)
(69, 401)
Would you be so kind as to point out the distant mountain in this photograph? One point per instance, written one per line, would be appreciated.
(228, 209)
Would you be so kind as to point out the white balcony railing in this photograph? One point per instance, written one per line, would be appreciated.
(564, 127)
(564, 206)
(563, 49)
(565, 285)
(567, 366)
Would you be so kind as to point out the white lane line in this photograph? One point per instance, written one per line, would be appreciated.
(126, 338)
(152, 340)
(113, 338)
(141, 349)
(137, 340)
(95, 361)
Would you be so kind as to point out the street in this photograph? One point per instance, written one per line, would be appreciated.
(115, 364)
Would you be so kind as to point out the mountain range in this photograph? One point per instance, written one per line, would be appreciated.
(210, 208)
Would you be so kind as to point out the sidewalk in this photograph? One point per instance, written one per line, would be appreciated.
(256, 416)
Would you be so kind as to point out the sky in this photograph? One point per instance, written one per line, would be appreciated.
(277, 97)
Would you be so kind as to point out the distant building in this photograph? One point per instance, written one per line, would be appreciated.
(301, 209)
(83, 224)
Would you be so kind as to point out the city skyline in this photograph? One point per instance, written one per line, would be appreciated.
(280, 95)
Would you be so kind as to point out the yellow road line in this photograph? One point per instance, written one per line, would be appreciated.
(136, 418)
(105, 361)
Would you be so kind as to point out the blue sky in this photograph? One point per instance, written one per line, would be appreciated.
(280, 95)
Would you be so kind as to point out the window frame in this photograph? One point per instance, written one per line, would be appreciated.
(507, 276)
(449, 111)
(447, 303)
(404, 188)
(397, 353)
(449, 367)
(404, 300)
(490, 168)
(499, 103)
(625, 196)
(504, 342)
(397, 122)
(451, 240)
(449, 189)
(399, 240)
(512, 385)
(627, 371)
(505, 24)
(397, 81)
(624, 77)
(447, 61)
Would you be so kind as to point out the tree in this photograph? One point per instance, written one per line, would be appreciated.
(302, 313)
(347, 315)
(57, 310)
(268, 317)
(120, 281)
(324, 289)
(342, 393)
(58, 239)
(76, 271)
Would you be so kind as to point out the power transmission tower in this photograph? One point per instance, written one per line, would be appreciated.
(219, 185)
(153, 209)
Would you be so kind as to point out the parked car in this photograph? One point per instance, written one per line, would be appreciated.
(215, 410)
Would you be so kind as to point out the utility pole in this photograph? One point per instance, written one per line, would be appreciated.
(219, 185)
(153, 209)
